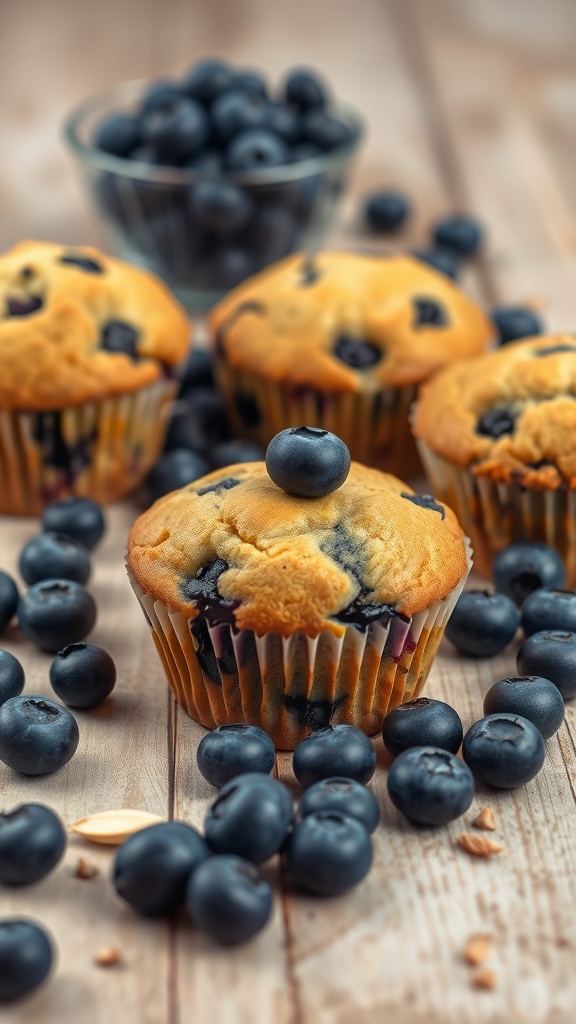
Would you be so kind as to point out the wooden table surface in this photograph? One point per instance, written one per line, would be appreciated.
(471, 105)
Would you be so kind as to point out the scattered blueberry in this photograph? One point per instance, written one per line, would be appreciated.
(174, 470)
(328, 853)
(482, 624)
(220, 207)
(119, 134)
(54, 555)
(551, 654)
(56, 613)
(532, 697)
(255, 148)
(232, 750)
(9, 597)
(152, 867)
(346, 796)
(460, 233)
(430, 786)
(549, 609)
(227, 453)
(513, 322)
(521, 568)
(37, 735)
(198, 371)
(496, 423)
(504, 750)
(200, 423)
(82, 675)
(32, 841)
(304, 90)
(327, 132)
(236, 111)
(11, 676)
(80, 518)
(26, 957)
(336, 750)
(422, 723)
(159, 94)
(250, 817)
(307, 461)
(441, 259)
(386, 211)
(205, 81)
(229, 900)
(177, 130)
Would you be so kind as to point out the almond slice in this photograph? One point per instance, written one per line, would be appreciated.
(478, 846)
(485, 978)
(485, 820)
(478, 949)
(113, 827)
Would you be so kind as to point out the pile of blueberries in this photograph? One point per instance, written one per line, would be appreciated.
(454, 239)
(218, 121)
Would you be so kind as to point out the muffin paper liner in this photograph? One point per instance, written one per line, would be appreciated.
(292, 686)
(375, 426)
(100, 450)
(497, 514)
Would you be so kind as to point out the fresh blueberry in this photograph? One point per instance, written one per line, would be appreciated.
(522, 568)
(198, 370)
(441, 259)
(346, 796)
(552, 654)
(422, 723)
(250, 817)
(32, 841)
(482, 624)
(209, 162)
(271, 234)
(305, 151)
(55, 613)
(251, 82)
(430, 786)
(504, 750)
(220, 207)
(26, 957)
(205, 81)
(229, 900)
(227, 265)
(177, 130)
(80, 518)
(496, 423)
(162, 93)
(304, 89)
(11, 676)
(549, 609)
(386, 211)
(37, 735)
(336, 750)
(174, 470)
(82, 675)
(512, 322)
(284, 121)
(232, 750)
(228, 453)
(532, 697)
(52, 555)
(201, 423)
(236, 111)
(460, 233)
(9, 598)
(152, 867)
(307, 461)
(325, 131)
(119, 134)
(258, 147)
(328, 853)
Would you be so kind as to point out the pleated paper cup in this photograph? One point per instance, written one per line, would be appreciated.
(100, 450)
(375, 426)
(290, 686)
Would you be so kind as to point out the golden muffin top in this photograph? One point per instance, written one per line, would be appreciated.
(510, 415)
(76, 326)
(234, 547)
(344, 322)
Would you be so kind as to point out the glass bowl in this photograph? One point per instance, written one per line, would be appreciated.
(146, 213)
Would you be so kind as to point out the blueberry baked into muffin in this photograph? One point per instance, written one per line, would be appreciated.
(342, 341)
(291, 612)
(88, 347)
(496, 435)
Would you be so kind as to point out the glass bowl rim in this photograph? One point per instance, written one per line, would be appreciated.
(158, 174)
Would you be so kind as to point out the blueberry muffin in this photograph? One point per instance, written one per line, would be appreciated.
(291, 612)
(496, 435)
(88, 348)
(341, 341)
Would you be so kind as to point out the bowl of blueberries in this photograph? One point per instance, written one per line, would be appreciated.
(208, 179)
